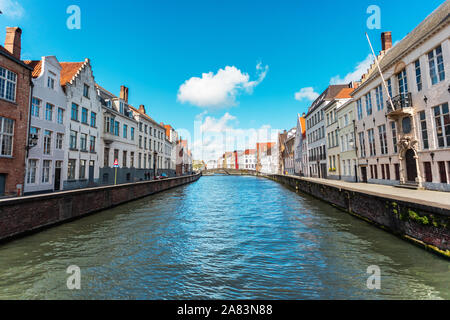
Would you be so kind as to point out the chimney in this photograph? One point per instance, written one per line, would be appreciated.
(124, 93)
(386, 41)
(13, 41)
(142, 109)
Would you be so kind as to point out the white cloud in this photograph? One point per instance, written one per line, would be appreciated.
(306, 93)
(214, 136)
(12, 9)
(220, 89)
(360, 69)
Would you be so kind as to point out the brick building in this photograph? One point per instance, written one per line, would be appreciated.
(15, 88)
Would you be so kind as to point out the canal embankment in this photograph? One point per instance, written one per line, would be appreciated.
(24, 215)
(423, 220)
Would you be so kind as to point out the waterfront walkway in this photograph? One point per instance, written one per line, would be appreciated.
(425, 197)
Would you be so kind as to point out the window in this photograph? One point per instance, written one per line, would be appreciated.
(379, 97)
(71, 169)
(8, 80)
(59, 141)
(124, 159)
(423, 129)
(31, 173)
(442, 119)
(145, 128)
(418, 75)
(145, 143)
(131, 159)
(51, 83)
(82, 169)
(389, 86)
(47, 142)
(35, 132)
(84, 115)
(116, 128)
(371, 142)
(121, 109)
(92, 144)
(93, 119)
(383, 139)
(86, 91)
(402, 83)
(140, 142)
(397, 171)
(359, 105)
(83, 142)
(394, 136)
(388, 172)
(6, 136)
(36, 107)
(369, 104)
(49, 112)
(436, 63)
(60, 116)
(46, 171)
(132, 133)
(125, 131)
(73, 139)
(74, 114)
(140, 126)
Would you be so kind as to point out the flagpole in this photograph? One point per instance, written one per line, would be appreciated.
(381, 74)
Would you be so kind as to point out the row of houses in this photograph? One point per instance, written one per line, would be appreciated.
(263, 159)
(391, 127)
(59, 129)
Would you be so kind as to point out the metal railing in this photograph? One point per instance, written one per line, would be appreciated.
(399, 102)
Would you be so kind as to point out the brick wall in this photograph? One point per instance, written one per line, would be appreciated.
(14, 167)
(424, 225)
(19, 216)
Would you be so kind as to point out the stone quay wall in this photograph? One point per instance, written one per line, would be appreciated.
(425, 225)
(23, 215)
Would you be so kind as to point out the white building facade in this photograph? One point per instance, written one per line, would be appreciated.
(45, 160)
(83, 127)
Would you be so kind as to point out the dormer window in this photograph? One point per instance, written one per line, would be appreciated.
(51, 83)
(86, 91)
(108, 104)
(121, 107)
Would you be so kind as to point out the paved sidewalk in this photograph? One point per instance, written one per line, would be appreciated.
(425, 197)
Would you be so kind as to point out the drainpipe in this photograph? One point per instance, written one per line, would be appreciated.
(27, 148)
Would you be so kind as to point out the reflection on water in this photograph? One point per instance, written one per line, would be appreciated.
(220, 238)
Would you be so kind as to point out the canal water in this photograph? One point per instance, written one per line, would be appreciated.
(222, 237)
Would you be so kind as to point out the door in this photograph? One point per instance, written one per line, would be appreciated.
(2, 184)
(91, 171)
(364, 174)
(57, 179)
(411, 169)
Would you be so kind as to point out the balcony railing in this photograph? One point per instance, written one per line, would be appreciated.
(400, 102)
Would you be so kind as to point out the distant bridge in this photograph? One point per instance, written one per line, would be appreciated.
(229, 172)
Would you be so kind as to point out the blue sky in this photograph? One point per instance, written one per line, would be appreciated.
(154, 47)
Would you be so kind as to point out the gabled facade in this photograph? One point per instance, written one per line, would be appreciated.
(267, 157)
(348, 161)
(83, 126)
(46, 155)
(407, 142)
(315, 131)
(300, 147)
(335, 142)
(118, 138)
(15, 92)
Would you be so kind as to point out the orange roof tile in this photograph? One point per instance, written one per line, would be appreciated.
(36, 65)
(69, 70)
(345, 93)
